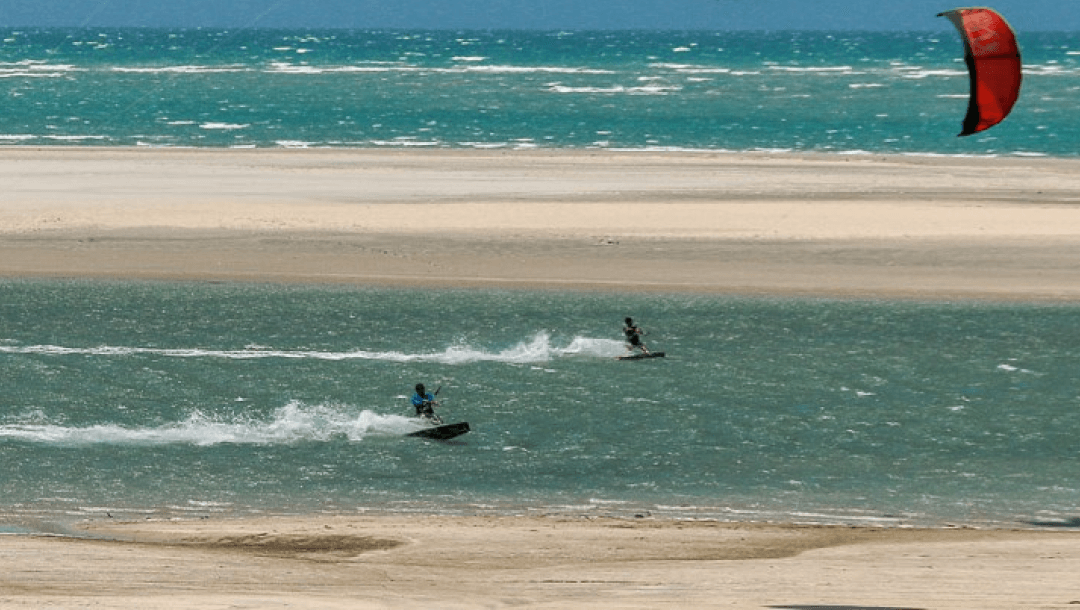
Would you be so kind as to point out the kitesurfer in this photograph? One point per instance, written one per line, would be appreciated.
(425, 404)
(633, 336)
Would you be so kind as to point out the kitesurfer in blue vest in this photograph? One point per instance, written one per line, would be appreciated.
(633, 336)
(425, 404)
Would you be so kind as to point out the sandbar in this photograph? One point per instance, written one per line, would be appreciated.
(894, 226)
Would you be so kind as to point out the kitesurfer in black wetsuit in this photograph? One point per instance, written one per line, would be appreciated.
(425, 404)
(633, 336)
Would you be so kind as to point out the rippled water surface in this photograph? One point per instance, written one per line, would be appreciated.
(162, 398)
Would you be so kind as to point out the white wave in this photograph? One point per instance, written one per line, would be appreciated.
(35, 69)
(480, 145)
(287, 68)
(1010, 368)
(30, 74)
(920, 74)
(505, 69)
(74, 138)
(464, 67)
(406, 141)
(188, 69)
(538, 349)
(845, 70)
(616, 90)
(292, 423)
(295, 144)
(703, 70)
(224, 126)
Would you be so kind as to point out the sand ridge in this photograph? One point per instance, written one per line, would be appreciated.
(892, 226)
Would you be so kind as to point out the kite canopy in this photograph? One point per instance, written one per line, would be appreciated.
(993, 61)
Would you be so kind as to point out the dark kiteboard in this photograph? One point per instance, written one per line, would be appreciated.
(641, 356)
(443, 432)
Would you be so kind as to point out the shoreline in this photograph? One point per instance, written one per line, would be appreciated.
(322, 561)
(724, 223)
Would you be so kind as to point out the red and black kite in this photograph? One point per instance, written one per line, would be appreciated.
(993, 61)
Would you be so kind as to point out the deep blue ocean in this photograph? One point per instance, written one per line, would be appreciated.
(147, 399)
(840, 92)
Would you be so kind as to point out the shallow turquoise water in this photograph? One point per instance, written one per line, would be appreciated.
(165, 399)
(832, 92)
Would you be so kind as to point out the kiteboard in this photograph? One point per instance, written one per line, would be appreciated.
(642, 356)
(443, 432)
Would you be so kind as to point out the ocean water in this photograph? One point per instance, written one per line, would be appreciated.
(838, 92)
(147, 399)
(143, 399)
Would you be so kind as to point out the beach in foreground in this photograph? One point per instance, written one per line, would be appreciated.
(536, 562)
(859, 226)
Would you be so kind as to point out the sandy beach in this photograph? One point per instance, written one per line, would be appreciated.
(836, 226)
(536, 562)
(919, 227)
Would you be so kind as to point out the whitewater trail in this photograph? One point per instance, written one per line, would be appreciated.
(293, 423)
(538, 349)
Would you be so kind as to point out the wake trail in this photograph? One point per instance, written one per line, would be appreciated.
(293, 423)
(540, 348)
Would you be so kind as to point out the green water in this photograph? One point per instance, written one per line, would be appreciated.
(191, 399)
(831, 92)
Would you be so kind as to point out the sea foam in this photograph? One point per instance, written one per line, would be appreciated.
(292, 423)
(540, 348)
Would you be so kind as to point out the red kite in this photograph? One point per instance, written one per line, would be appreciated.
(993, 61)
